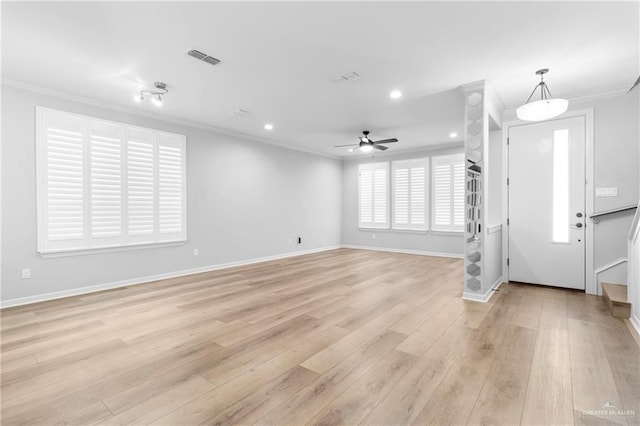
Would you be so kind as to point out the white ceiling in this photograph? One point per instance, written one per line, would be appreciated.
(277, 59)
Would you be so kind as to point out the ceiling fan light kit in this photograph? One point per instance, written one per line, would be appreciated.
(366, 148)
(545, 108)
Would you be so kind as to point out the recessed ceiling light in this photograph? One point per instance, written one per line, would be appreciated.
(395, 94)
(350, 149)
(268, 126)
(453, 135)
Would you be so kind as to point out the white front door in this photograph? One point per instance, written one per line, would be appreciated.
(547, 203)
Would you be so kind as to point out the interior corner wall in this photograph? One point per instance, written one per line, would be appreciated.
(616, 152)
(616, 149)
(430, 242)
(493, 224)
(494, 179)
(245, 200)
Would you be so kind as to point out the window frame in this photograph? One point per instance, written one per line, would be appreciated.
(89, 243)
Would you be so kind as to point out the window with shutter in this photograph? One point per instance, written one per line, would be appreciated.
(410, 196)
(140, 185)
(171, 206)
(448, 193)
(373, 195)
(61, 181)
(105, 168)
(105, 184)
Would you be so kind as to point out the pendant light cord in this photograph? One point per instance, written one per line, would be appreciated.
(544, 90)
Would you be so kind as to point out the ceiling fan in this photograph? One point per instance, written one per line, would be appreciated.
(367, 145)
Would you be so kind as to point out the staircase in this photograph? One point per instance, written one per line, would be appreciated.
(616, 297)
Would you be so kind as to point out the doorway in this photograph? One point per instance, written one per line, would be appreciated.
(546, 207)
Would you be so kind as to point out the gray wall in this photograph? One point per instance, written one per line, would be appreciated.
(430, 241)
(246, 200)
(494, 178)
(493, 240)
(616, 146)
(616, 152)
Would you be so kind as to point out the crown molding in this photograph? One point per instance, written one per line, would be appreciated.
(476, 86)
(161, 117)
(601, 95)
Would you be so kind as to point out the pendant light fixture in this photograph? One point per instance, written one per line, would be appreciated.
(545, 108)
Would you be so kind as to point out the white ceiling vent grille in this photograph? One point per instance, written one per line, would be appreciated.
(203, 57)
(345, 76)
(238, 112)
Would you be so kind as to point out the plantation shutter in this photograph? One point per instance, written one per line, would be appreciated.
(140, 185)
(448, 193)
(105, 184)
(105, 169)
(61, 181)
(373, 195)
(410, 194)
(458, 193)
(400, 196)
(171, 178)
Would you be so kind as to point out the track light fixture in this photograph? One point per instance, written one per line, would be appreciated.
(155, 95)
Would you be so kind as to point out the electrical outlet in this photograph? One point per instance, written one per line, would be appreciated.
(373, 236)
(26, 274)
(607, 192)
(290, 240)
(196, 252)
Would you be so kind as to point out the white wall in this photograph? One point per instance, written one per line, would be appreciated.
(245, 200)
(430, 241)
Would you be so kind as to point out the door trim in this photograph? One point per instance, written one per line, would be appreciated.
(590, 285)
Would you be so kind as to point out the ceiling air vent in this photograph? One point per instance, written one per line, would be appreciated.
(238, 112)
(345, 76)
(203, 57)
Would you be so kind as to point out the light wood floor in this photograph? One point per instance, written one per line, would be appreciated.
(340, 337)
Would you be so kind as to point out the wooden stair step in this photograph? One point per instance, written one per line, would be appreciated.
(616, 297)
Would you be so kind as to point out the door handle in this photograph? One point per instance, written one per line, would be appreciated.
(577, 225)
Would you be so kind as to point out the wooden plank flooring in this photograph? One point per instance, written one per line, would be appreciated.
(340, 337)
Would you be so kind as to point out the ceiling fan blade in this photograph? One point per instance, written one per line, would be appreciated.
(381, 147)
(351, 144)
(386, 141)
(634, 85)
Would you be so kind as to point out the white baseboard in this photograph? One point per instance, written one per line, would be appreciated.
(141, 280)
(405, 251)
(483, 298)
(635, 322)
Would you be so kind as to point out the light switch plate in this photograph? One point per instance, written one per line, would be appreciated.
(607, 192)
